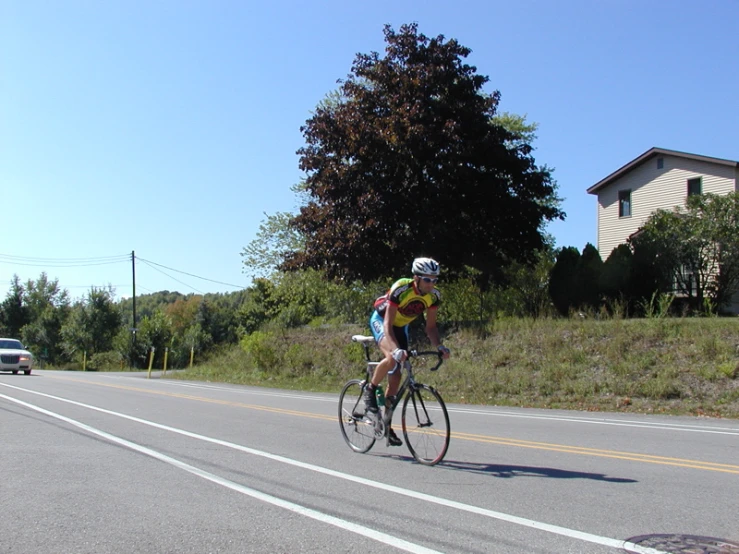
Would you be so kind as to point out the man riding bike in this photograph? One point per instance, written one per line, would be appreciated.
(407, 299)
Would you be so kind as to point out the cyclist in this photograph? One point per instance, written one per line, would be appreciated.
(405, 301)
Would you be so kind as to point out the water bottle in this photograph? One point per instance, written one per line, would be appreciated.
(380, 396)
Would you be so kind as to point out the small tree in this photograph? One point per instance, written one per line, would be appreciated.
(563, 280)
(48, 308)
(589, 276)
(615, 280)
(13, 311)
(527, 295)
(696, 248)
(92, 323)
(155, 331)
(719, 223)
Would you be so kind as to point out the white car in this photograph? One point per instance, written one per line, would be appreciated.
(15, 358)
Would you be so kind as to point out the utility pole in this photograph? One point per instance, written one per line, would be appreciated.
(133, 329)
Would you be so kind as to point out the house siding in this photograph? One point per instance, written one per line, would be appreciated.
(653, 189)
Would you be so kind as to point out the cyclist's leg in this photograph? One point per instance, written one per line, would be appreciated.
(370, 401)
(393, 383)
(387, 364)
(393, 379)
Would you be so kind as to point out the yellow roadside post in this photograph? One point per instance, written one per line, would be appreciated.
(166, 351)
(192, 355)
(151, 361)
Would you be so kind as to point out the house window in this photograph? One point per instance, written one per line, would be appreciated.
(624, 203)
(660, 163)
(695, 186)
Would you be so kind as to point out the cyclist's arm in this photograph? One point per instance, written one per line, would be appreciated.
(390, 312)
(432, 331)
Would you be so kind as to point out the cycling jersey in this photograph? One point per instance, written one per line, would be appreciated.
(410, 302)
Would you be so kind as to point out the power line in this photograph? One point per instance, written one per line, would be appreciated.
(60, 265)
(190, 274)
(95, 286)
(33, 261)
(85, 259)
(62, 262)
(163, 273)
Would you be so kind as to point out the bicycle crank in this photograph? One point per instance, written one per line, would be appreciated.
(379, 426)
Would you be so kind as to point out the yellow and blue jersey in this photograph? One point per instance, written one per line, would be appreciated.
(409, 301)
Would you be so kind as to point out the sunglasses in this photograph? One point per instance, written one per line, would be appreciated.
(429, 279)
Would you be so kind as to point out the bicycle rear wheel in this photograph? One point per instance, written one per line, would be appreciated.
(358, 431)
(426, 425)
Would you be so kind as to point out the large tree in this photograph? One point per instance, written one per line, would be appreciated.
(408, 159)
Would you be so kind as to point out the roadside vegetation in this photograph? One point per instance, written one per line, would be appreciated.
(687, 366)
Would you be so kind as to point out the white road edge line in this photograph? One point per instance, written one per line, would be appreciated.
(555, 529)
(378, 536)
(626, 423)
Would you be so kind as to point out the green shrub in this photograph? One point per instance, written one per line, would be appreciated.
(105, 361)
(261, 347)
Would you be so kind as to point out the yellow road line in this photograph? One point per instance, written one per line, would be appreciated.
(584, 451)
(632, 456)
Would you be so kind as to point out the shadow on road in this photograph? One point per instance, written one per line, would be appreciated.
(509, 471)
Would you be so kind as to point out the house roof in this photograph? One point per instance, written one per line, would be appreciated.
(651, 153)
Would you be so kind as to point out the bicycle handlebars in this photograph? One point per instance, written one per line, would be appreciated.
(416, 354)
(367, 341)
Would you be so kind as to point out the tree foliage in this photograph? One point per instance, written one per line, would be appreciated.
(696, 249)
(589, 276)
(409, 160)
(47, 306)
(630, 278)
(274, 241)
(92, 323)
(524, 133)
(563, 280)
(574, 282)
(13, 311)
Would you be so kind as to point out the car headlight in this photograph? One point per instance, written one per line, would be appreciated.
(25, 358)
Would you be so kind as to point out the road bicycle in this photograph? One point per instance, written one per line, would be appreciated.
(424, 418)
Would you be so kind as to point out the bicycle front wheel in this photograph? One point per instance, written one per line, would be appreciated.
(426, 425)
(357, 430)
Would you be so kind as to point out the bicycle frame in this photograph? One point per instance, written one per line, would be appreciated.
(407, 384)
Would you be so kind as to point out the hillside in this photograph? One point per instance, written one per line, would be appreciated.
(674, 366)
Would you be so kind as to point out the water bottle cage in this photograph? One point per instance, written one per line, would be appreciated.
(380, 395)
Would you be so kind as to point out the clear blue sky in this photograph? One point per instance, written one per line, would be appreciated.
(170, 127)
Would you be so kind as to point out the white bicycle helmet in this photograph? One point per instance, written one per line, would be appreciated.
(425, 266)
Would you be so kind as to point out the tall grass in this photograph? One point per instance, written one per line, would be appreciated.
(657, 364)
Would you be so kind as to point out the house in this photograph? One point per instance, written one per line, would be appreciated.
(659, 178)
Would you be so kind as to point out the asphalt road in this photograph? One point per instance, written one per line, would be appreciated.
(98, 463)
